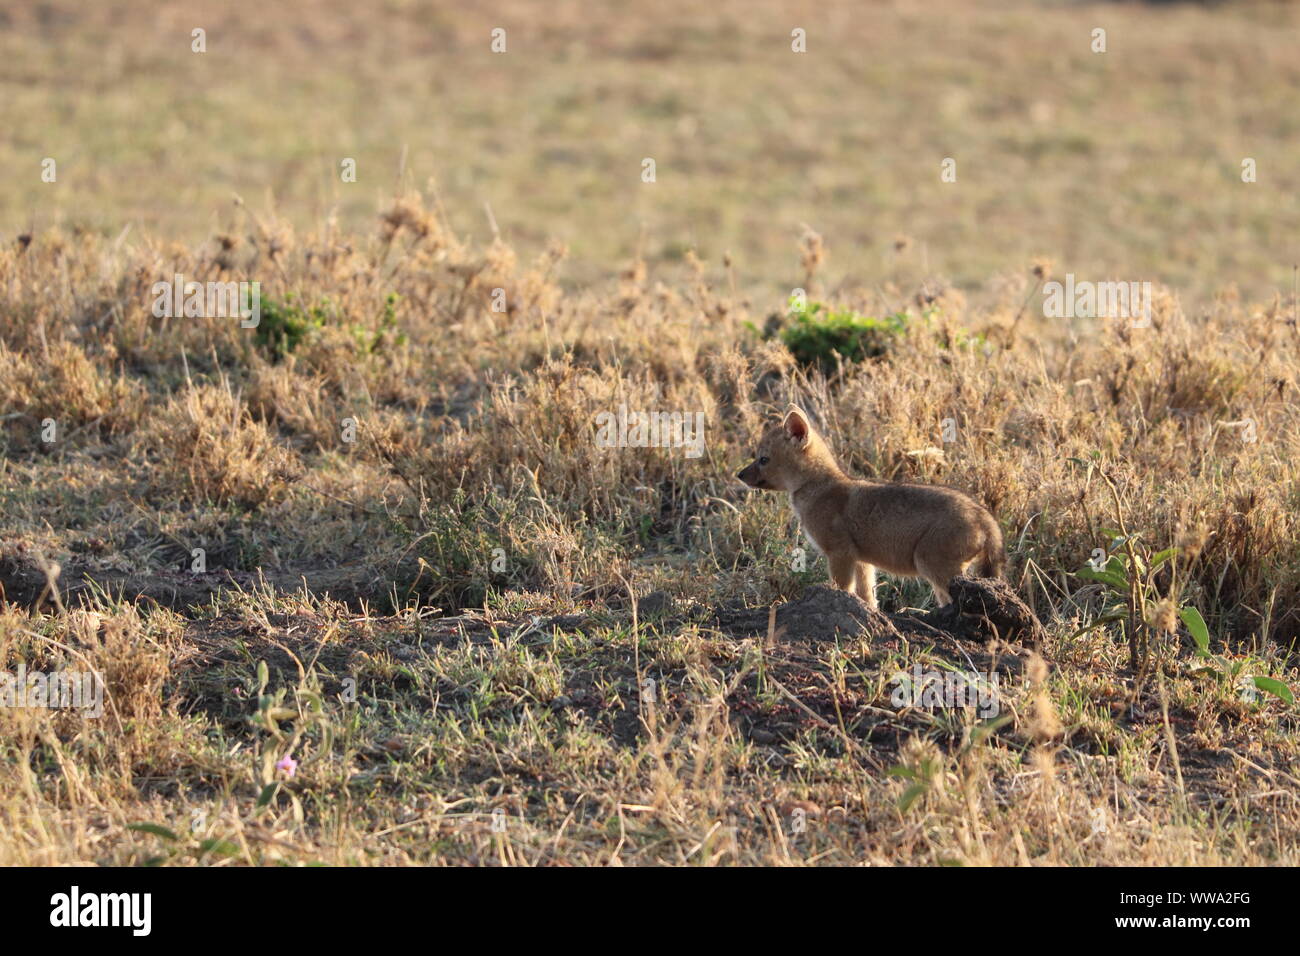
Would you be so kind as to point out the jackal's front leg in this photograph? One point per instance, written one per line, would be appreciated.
(844, 573)
(865, 583)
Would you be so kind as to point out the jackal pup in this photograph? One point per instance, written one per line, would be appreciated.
(913, 530)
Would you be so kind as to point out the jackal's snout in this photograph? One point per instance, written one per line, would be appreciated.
(755, 474)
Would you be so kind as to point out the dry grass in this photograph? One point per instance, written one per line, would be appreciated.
(475, 481)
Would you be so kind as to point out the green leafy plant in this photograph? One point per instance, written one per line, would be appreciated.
(922, 777)
(304, 711)
(1129, 576)
(819, 333)
(386, 334)
(284, 325)
(184, 848)
(1135, 600)
(1224, 668)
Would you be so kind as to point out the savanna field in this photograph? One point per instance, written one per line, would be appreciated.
(364, 588)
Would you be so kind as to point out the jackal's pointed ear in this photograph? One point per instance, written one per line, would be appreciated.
(796, 425)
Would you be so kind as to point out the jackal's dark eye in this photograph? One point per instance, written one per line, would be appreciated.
(762, 461)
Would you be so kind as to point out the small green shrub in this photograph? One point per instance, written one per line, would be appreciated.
(819, 333)
(386, 334)
(284, 325)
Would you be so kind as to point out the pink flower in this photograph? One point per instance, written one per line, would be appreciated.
(288, 765)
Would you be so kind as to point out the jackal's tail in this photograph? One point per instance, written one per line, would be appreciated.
(992, 559)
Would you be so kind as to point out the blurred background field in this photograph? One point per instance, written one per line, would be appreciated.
(1122, 165)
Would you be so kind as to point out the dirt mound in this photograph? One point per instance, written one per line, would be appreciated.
(986, 608)
(982, 609)
(822, 613)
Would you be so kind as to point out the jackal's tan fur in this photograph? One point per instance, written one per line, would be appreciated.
(914, 530)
